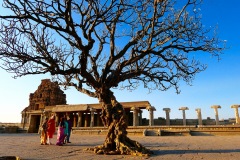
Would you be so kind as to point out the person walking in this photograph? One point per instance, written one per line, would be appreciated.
(69, 129)
(51, 129)
(60, 132)
(44, 132)
(65, 130)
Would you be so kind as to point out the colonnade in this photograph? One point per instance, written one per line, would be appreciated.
(79, 117)
(88, 118)
(137, 115)
(199, 114)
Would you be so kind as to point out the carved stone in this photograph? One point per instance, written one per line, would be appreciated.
(47, 94)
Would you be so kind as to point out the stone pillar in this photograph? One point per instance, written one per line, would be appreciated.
(79, 123)
(151, 116)
(98, 119)
(29, 119)
(184, 114)
(92, 110)
(42, 118)
(140, 117)
(199, 115)
(41, 122)
(167, 110)
(236, 112)
(215, 107)
(74, 120)
(135, 116)
(56, 119)
(127, 117)
(24, 119)
(67, 114)
(86, 120)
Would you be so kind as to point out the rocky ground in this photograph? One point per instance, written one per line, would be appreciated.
(27, 147)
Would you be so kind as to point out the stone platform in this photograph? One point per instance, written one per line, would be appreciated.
(27, 147)
(190, 130)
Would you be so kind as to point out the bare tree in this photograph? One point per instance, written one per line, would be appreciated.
(97, 45)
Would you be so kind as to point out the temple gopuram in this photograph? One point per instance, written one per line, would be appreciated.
(47, 94)
(49, 98)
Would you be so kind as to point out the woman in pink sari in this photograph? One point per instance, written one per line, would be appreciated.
(60, 132)
(51, 129)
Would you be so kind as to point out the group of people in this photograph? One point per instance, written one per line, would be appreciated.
(63, 133)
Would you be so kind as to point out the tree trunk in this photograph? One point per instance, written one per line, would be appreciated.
(117, 142)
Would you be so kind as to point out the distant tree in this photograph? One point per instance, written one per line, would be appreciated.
(98, 45)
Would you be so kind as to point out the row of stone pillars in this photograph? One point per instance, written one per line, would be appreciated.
(199, 114)
(136, 111)
(77, 121)
(137, 114)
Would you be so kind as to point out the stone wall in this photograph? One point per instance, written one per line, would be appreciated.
(9, 127)
(162, 122)
(212, 130)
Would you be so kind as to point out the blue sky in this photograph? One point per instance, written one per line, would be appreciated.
(218, 85)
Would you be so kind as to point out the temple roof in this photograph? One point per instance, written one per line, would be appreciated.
(84, 107)
(70, 108)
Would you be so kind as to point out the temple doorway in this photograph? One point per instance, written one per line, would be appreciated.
(34, 124)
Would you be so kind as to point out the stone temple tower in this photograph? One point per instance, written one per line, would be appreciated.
(47, 94)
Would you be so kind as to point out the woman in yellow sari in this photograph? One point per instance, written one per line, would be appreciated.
(44, 132)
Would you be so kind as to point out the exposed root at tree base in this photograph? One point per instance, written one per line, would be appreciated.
(117, 142)
(130, 147)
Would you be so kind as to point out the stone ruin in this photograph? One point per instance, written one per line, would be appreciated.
(47, 94)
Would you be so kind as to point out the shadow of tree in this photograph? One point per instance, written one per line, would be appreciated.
(165, 152)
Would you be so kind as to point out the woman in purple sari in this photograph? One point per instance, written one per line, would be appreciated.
(60, 132)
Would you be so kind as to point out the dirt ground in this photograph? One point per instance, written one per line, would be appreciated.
(27, 147)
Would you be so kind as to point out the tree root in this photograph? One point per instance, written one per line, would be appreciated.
(117, 142)
(126, 147)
